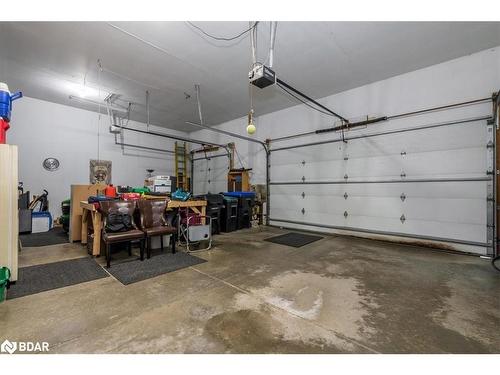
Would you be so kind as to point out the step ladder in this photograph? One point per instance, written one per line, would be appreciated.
(181, 166)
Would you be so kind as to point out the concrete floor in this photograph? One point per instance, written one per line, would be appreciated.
(337, 295)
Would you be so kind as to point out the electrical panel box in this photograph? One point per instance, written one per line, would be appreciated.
(262, 76)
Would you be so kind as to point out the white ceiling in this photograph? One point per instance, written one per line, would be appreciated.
(52, 60)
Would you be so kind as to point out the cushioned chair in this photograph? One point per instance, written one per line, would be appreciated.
(153, 223)
(110, 238)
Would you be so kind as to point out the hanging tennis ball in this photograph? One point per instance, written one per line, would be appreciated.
(251, 129)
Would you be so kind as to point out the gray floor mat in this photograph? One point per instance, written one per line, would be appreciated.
(132, 271)
(294, 239)
(53, 237)
(43, 277)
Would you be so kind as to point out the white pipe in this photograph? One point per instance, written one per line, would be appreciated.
(274, 25)
(253, 40)
(89, 101)
(197, 88)
(147, 108)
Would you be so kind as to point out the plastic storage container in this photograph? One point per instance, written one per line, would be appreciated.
(215, 204)
(4, 279)
(246, 201)
(41, 222)
(229, 215)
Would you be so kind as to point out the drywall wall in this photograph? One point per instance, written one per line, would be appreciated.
(455, 211)
(42, 129)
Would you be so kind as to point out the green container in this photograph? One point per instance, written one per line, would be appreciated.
(140, 190)
(4, 279)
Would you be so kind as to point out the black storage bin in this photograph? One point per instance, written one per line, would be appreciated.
(245, 205)
(229, 215)
(215, 204)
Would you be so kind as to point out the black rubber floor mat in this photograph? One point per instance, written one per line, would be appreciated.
(52, 237)
(43, 277)
(136, 270)
(294, 239)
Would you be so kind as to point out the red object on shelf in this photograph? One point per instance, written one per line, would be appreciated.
(4, 126)
(110, 191)
(130, 196)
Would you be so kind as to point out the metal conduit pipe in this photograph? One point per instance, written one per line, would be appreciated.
(423, 127)
(211, 128)
(176, 137)
(385, 118)
(383, 233)
(143, 147)
(211, 157)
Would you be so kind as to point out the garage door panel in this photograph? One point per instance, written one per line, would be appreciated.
(450, 163)
(463, 211)
(455, 231)
(470, 135)
(451, 190)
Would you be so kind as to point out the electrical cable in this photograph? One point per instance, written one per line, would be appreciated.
(99, 66)
(303, 101)
(239, 159)
(227, 39)
(493, 263)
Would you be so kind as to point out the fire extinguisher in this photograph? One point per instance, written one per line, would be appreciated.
(6, 99)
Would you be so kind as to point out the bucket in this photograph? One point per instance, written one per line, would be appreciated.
(4, 279)
(6, 99)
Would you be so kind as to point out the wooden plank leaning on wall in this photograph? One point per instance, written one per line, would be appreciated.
(80, 193)
(9, 219)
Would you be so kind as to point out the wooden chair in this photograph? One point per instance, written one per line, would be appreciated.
(110, 238)
(153, 223)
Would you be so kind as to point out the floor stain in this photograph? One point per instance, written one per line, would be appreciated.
(249, 331)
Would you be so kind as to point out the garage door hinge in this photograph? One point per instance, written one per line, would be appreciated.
(303, 162)
(346, 176)
(403, 174)
(489, 173)
(490, 144)
(403, 153)
(346, 214)
(303, 211)
(303, 178)
(403, 197)
(303, 195)
(345, 195)
(402, 218)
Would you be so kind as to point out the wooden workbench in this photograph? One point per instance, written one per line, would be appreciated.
(90, 213)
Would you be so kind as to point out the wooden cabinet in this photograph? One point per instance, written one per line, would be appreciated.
(9, 219)
(238, 180)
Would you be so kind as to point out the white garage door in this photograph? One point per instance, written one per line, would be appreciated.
(432, 183)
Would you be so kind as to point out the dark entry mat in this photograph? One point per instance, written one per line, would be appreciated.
(294, 239)
(135, 270)
(54, 236)
(43, 277)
